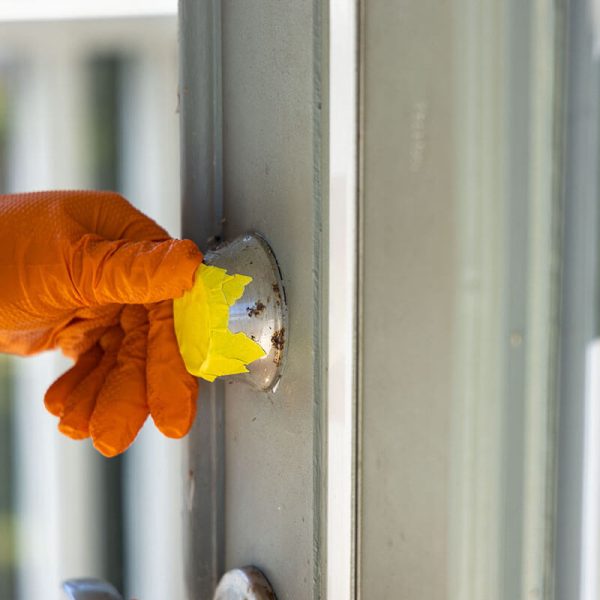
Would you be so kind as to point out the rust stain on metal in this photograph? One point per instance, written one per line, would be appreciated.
(278, 339)
(277, 292)
(257, 309)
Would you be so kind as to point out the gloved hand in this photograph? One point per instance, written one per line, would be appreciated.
(88, 273)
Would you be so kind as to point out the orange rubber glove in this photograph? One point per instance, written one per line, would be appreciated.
(88, 273)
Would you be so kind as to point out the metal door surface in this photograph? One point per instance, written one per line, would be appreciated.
(251, 161)
(400, 157)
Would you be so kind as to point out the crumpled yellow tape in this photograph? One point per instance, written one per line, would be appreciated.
(209, 349)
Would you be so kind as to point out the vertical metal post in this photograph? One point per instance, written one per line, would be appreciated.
(202, 209)
(579, 317)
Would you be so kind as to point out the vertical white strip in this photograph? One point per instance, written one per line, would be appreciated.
(153, 491)
(476, 494)
(58, 500)
(343, 197)
(149, 139)
(590, 520)
(36, 440)
(153, 517)
(594, 8)
(540, 343)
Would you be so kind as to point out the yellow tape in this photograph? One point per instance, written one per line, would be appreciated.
(201, 317)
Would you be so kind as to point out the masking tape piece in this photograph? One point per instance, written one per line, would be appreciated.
(201, 316)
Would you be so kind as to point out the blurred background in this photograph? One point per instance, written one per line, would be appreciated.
(88, 99)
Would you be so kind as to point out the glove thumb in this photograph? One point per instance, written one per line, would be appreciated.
(127, 272)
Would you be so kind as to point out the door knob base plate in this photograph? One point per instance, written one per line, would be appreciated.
(261, 313)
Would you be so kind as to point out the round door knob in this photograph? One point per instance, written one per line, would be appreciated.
(247, 583)
(261, 313)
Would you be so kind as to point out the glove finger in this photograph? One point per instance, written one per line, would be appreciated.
(28, 342)
(121, 408)
(126, 272)
(172, 391)
(58, 393)
(75, 418)
(86, 328)
(75, 335)
(109, 215)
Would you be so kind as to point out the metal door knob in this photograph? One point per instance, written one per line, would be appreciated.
(261, 313)
(247, 583)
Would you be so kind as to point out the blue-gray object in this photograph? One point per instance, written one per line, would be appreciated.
(90, 589)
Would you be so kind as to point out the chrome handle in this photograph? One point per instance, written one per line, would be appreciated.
(90, 589)
(247, 583)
